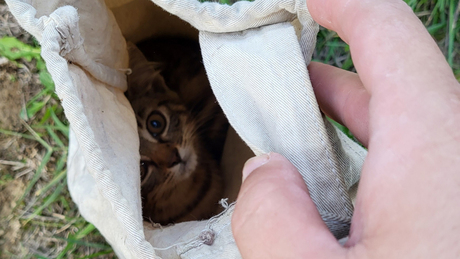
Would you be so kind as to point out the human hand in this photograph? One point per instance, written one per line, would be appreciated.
(404, 106)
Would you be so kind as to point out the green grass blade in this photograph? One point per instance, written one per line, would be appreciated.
(80, 234)
(348, 63)
(14, 49)
(61, 162)
(36, 136)
(435, 28)
(84, 243)
(55, 137)
(46, 116)
(47, 81)
(35, 178)
(33, 108)
(52, 183)
(61, 126)
(16, 134)
(68, 248)
(48, 201)
(450, 47)
(85, 231)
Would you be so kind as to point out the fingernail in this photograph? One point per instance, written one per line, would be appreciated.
(254, 163)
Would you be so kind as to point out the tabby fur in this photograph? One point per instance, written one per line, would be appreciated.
(181, 130)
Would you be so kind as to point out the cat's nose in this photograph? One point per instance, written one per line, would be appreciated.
(174, 158)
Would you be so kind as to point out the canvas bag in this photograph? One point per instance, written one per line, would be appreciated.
(256, 64)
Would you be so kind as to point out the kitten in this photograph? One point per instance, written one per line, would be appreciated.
(181, 129)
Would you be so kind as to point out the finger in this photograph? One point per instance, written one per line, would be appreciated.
(398, 62)
(274, 216)
(342, 97)
(382, 31)
(414, 96)
(413, 90)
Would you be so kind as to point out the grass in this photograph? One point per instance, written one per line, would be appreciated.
(440, 17)
(45, 202)
(44, 209)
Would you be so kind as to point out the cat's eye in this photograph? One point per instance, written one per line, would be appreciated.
(156, 123)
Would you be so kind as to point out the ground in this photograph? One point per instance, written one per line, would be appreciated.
(37, 216)
(16, 83)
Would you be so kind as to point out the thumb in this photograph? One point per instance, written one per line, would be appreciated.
(274, 216)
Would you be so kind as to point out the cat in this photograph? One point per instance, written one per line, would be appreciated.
(181, 130)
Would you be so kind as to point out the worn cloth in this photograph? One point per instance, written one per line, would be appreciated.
(256, 62)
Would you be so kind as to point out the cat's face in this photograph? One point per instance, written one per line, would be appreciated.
(167, 140)
(167, 131)
(181, 131)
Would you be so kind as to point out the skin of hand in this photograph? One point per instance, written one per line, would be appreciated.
(405, 107)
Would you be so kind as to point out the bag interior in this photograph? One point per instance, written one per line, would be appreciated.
(142, 19)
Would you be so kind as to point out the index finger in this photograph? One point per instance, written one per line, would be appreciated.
(413, 118)
(398, 62)
(385, 30)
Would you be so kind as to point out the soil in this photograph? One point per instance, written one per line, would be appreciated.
(10, 231)
(16, 79)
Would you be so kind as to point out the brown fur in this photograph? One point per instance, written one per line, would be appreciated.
(181, 130)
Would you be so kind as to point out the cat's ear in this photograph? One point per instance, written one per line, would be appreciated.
(136, 58)
(145, 75)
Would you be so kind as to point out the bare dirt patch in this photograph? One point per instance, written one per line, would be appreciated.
(11, 229)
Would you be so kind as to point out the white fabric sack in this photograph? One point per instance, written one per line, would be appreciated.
(256, 63)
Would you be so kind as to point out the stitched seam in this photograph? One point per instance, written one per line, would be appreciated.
(328, 155)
